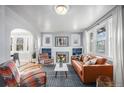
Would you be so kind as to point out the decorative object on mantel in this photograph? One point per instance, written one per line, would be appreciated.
(61, 9)
(61, 41)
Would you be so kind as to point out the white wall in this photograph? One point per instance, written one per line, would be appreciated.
(9, 21)
(4, 36)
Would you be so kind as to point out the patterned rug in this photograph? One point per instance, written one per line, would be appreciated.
(72, 79)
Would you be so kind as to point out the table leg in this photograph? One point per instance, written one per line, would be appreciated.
(56, 75)
(66, 74)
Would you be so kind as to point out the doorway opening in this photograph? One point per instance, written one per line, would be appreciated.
(21, 44)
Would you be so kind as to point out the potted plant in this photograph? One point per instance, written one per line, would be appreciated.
(34, 57)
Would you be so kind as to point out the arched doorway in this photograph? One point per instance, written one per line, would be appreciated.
(22, 43)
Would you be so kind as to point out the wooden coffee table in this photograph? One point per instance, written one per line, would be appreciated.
(64, 68)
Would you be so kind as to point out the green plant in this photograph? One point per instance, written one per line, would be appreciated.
(34, 55)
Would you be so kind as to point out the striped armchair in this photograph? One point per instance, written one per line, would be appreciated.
(24, 78)
(43, 58)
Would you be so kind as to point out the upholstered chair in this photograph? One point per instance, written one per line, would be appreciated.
(27, 77)
(44, 59)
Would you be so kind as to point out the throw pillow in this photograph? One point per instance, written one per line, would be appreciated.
(86, 58)
(93, 61)
(87, 63)
(81, 58)
(101, 60)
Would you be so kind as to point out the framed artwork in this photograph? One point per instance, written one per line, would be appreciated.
(75, 39)
(101, 38)
(61, 41)
(19, 44)
(47, 40)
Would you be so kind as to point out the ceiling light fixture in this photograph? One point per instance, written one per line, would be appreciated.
(61, 9)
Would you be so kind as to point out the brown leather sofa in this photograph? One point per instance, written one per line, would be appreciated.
(89, 73)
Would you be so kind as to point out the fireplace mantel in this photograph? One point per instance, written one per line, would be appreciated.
(64, 50)
(54, 50)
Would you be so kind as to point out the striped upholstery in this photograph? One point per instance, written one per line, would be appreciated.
(31, 78)
(35, 77)
(34, 80)
(10, 73)
(44, 59)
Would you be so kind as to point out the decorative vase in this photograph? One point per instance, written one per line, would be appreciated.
(60, 64)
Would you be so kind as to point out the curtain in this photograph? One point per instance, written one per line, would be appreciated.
(117, 43)
(85, 42)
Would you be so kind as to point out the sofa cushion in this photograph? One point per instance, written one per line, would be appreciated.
(101, 60)
(92, 56)
(93, 61)
(87, 63)
(86, 58)
(81, 58)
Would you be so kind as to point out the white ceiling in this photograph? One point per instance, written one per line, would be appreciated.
(45, 19)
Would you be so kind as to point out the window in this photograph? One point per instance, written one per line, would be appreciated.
(101, 40)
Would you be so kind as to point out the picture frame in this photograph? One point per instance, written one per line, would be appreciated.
(61, 41)
(47, 40)
(75, 39)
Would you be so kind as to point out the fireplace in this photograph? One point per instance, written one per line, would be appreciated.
(63, 55)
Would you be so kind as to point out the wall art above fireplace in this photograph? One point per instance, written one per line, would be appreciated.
(61, 41)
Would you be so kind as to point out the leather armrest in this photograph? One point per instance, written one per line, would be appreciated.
(91, 72)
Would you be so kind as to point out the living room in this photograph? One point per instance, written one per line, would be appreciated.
(61, 45)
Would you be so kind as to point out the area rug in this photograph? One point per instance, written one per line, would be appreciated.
(72, 79)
